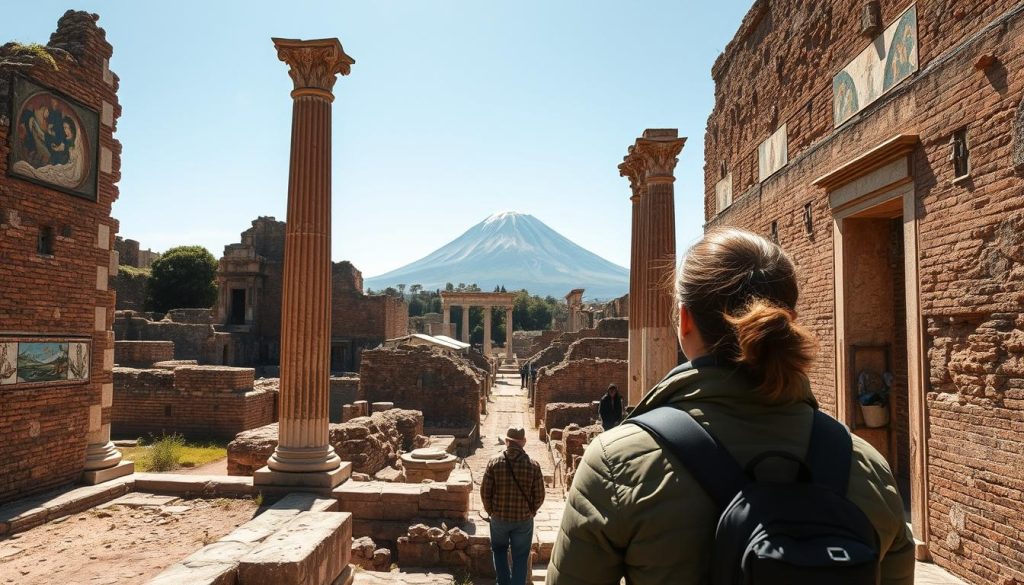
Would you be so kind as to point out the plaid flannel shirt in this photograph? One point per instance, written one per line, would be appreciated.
(501, 498)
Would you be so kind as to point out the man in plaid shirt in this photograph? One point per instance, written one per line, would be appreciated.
(512, 491)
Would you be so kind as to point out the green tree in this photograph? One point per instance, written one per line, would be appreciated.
(181, 278)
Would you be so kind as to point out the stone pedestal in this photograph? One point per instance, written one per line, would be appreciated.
(304, 457)
(428, 463)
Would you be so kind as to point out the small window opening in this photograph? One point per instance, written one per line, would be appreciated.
(960, 154)
(44, 243)
(808, 219)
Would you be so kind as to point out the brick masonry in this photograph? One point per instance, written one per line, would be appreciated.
(63, 294)
(969, 232)
(195, 401)
(445, 388)
(142, 353)
(580, 381)
(598, 347)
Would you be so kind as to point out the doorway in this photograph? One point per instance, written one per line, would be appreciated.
(879, 360)
(237, 314)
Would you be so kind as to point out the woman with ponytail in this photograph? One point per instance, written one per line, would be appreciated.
(635, 512)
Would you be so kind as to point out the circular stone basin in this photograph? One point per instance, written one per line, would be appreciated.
(428, 454)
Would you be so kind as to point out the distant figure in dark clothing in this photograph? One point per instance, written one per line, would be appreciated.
(533, 372)
(611, 408)
(523, 373)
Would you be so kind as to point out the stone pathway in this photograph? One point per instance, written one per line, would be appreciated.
(510, 407)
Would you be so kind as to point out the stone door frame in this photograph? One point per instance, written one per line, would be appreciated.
(882, 179)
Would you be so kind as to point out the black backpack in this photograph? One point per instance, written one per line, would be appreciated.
(777, 533)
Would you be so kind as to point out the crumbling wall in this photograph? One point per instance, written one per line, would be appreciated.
(195, 401)
(558, 415)
(344, 390)
(192, 341)
(613, 327)
(142, 354)
(577, 381)
(445, 388)
(598, 347)
(370, 443)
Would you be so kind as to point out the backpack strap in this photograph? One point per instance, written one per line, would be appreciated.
(830, 453)
(707, 461)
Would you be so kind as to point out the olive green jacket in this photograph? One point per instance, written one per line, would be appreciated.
(635, 512)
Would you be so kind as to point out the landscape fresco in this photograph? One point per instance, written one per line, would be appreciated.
(42, 361)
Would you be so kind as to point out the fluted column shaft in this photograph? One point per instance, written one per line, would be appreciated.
(659, 341)
(303, 444)
(636, 387)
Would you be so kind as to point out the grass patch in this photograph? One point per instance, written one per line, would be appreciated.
(173, 452)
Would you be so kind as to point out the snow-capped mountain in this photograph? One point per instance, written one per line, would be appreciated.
(514, 250)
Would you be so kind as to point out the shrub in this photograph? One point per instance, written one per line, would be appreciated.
(165, 453)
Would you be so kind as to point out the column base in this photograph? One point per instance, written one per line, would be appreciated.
(101, 456)
(103, 475)
(304, 459)
(301, 481)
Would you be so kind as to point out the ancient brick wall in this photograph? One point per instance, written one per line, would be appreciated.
(613, 327)
(130, 289)
(371, 443)
(598, 347)
(968, 232)
(558, 415)
(578, 381)
(444, 388)
(195, 401)
(344, 390)
(377, 317)
(64, 295)
(142, 354)
(192, 341)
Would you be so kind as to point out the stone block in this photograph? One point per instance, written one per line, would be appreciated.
(418, 554)
(96, 476)
(320, 481)
(311, 549)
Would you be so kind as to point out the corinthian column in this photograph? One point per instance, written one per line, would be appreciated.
(304, 456)
(637, 381)
(655, 153)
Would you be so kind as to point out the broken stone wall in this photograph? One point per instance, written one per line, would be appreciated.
(558, 415)
(370, 443)
(598, 347)
(130, 287)
(579, 381)
(62, 294)
(445, 388)
(343, 390)
(613, 327)
(142, 354)
(198, 402)
(192, 341)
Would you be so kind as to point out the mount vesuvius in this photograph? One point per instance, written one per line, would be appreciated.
(517, 251)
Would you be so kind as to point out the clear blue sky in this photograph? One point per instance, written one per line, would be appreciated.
(454, 110)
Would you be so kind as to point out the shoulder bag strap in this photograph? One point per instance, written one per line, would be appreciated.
(830, 453)
(707, 461)
(529, 502)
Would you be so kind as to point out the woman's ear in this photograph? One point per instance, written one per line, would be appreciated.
(685, 322)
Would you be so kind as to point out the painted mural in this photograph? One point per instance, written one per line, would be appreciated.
(773, 153)
(42, 361)
(891, 58)
(55, 140)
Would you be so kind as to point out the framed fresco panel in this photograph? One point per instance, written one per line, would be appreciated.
(43, 362)
(54, 140)
(891, 58)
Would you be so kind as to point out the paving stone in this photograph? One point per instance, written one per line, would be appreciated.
(310, 549)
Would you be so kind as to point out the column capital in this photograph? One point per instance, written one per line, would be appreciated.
(654, 154)
(313, 65)
(633, 171)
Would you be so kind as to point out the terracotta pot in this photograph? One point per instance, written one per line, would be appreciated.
(874, 415)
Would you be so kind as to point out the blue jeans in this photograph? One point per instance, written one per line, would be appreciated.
(518, 535)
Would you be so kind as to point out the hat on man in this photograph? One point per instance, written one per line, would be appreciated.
(517, 434)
